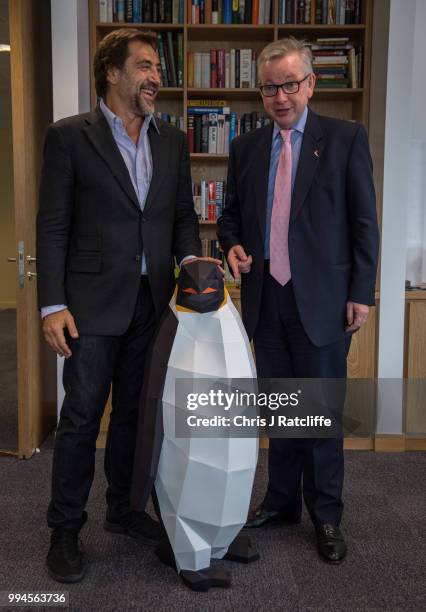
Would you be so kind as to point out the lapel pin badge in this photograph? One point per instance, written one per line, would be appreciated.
(316, 153)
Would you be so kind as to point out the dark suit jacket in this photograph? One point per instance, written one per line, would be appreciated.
(91, 231)
(333, 233)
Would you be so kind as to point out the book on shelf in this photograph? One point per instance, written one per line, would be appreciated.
(229, 12)
(221, 68)
(141, 11)
(210, 130)
(170, 52)
(336, 62)
(172, 119)
(208, 198)
(321, 12)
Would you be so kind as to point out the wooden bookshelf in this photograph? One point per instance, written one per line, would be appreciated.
(343, 103)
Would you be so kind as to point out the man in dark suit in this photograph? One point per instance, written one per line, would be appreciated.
(300, 225)
(116, 208)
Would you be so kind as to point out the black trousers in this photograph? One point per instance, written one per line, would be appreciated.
(283, 350)
(96, 362)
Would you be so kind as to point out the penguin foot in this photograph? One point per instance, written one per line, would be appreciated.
(165, 553)
(241, 550)
(203, 580)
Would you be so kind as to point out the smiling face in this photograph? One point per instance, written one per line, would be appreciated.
(286, 109)
(136, 85)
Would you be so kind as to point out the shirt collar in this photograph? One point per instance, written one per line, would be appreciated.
(299, 126)
(115, 123)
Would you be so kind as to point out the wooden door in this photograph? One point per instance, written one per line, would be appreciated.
(31, 90)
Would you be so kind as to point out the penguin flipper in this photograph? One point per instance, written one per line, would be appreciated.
(150, 421)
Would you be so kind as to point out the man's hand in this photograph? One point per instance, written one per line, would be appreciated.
(238, 261)
(356, 316)
(211, 259)
(53, 329)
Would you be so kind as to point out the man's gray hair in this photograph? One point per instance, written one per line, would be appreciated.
(282, 48)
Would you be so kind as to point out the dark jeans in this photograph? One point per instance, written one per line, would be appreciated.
(96, 362)
(283, 350)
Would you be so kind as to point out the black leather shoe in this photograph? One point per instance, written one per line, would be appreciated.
(64, 560)
(138, 525)
(261, 517)
(331, 545)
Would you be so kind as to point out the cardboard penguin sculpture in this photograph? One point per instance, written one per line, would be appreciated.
(202, 485)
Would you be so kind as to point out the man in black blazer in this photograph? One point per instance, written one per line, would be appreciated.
(116, 209)
(301, 323)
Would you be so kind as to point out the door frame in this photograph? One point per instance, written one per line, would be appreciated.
(31, 91)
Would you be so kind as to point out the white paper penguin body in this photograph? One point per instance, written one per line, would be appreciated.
(203, 485)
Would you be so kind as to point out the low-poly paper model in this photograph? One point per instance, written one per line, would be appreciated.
(202, 485)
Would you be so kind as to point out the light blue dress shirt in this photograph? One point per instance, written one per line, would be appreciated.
(296, 145)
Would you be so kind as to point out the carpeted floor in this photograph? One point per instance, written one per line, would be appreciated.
(384, 523)
(8, 392)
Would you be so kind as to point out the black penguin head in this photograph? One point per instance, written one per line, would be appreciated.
(200, 287)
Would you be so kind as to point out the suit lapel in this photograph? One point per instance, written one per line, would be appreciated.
(160, 162)
(99, 134)
(310, 153)
(260, 169)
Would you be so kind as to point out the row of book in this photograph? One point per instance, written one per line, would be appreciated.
(172, 119)
(257, 12)
(327, 12)
(211, 248)
(141, 11)
(254, 12)
(336, 63)
(212, 129)
(234, 68)
(170, 51)
(209, 199)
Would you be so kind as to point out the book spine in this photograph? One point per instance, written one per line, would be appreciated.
(215, 12)
(180, 59)
(205, 70)
(204, 134)
(137, 11)
(171, 53)
(212, 133)
(237, 68)
(162, 57)
(120, 10)
(128, 11)
(213, 69)
(103, 17)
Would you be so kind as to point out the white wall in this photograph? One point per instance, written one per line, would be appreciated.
(70, 79)
(416, 192)
(402, 60)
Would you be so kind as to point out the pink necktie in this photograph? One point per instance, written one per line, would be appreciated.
(279, 264)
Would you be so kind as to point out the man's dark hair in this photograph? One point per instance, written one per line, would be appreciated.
(113, 51)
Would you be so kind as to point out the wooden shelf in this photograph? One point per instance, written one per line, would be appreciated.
(209, 156)
(222, 92)
(321, 27)
(230, 32)
(205, 222)
(328, 93)
(170, 92)
(105, 26)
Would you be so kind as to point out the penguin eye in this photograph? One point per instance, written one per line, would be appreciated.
(209, 290)
(190, 290)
